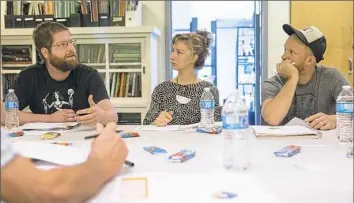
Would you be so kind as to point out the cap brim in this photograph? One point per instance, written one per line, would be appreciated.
(290, 30)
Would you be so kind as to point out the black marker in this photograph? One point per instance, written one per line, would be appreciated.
(129, 163)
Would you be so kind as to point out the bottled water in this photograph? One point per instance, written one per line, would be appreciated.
(207, 105)
(344, 114)
(235, 133)
(12, 122)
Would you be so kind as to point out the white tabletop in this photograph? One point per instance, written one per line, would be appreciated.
(320, 173)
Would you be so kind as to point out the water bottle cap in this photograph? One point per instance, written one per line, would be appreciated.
(347, 87)
(11, 90)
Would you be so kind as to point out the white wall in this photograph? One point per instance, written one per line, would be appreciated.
(278, 14)
(154, 14)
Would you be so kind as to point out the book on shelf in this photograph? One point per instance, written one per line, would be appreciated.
(16, 54)
(123, 84)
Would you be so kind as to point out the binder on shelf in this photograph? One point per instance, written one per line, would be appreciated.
(38, 19)
(75, 20)
(28, 21)
(9, 21)
(64, 21)
(118, 21)
(48, 18)
(19, 23)
(104, 19)
(86, 21)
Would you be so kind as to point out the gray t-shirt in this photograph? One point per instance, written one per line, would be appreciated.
(7, 151)
(318, 95)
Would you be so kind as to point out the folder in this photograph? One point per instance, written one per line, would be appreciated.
(75, 20)
(64, 21)
(9, 21)
(19, 23)
(38, 19)
(28, 21)
(118, 21)
(104, 19)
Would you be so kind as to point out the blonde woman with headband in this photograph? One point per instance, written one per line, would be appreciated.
(176, 102)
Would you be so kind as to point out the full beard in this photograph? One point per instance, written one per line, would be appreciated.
(64, 65)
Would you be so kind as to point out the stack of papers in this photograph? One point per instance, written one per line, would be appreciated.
(284, 131)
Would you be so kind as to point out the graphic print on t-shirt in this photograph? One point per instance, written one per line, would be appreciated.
(55, 101)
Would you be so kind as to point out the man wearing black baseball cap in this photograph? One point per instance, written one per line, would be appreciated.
(302, 88)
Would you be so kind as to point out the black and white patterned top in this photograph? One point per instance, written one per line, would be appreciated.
(164, 98)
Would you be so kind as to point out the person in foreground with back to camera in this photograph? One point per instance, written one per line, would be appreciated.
(176, 102)
(61, 89)
(303, 88)
(22, 181)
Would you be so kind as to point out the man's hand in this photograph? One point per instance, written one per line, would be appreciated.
(286, 69)
(108, 149)
(322, 121)
(64, 115)
(163, 119)
(92, 115)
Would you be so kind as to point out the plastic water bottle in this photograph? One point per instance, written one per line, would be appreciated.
(344, 114)
(235, 133)
(207, 106)
(12, 121)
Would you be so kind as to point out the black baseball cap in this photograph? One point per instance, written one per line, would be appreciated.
(312, 37)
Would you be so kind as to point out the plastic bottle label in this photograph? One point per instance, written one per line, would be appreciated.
(11, 105)
(235, 122)
(344, 107)
(207, 104)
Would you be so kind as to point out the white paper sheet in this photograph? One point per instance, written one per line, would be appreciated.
(52, 153)
(48, 126)
(295, 130)
(156, 128)
(297, 121)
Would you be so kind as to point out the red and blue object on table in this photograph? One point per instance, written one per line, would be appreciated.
(155, 150)
(16, 134)
(129, 134)
(288, 151)
(182, 156)
(216, 130)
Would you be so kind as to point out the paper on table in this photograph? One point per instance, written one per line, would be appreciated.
(49, 126)
(156, 128)
(57, 154)
(297, 121)
(278, 131)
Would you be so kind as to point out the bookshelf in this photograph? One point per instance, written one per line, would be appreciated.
(125, 57)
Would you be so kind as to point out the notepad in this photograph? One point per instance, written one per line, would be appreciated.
(49, 126)
(284, 131)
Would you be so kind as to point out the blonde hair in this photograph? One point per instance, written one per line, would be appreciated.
(199, 42)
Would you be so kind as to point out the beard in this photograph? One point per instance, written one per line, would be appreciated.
(64, 64)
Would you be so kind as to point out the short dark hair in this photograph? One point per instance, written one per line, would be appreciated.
(43, 35)
(199, 42)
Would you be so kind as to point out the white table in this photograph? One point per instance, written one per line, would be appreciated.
(320, 173)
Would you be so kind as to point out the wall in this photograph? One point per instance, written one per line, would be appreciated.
(278, 14)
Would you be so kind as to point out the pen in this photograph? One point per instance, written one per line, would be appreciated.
(129, 163)
(96, 135)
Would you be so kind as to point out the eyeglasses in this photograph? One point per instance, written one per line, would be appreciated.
(64, 45)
